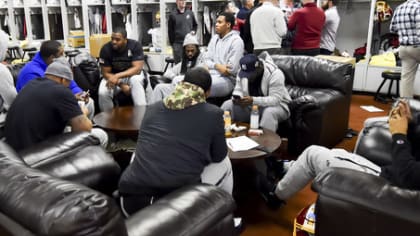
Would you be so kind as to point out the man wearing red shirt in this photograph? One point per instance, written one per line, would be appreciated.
(307, 23)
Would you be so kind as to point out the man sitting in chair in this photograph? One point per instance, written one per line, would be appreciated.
(404, 171)
(191, 57)
(259, 82)
(50, 50)
(121, 63)
(45, 107)
(181, 142)
(222, 57)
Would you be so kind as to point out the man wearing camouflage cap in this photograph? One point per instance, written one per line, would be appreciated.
(181, 142)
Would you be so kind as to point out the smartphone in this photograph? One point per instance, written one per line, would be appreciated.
(398, 101)
(84, 95)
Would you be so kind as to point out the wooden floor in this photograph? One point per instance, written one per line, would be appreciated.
(260, 220)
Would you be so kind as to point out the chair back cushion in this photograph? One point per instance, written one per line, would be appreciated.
(48, 206)
(310, 72)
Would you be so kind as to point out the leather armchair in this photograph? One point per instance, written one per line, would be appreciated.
(374, 140)
(75, 157)
(354, 203)
(321, 94)
(35, 203)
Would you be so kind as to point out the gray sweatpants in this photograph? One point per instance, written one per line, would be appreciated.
(139, 94)
(313, 161)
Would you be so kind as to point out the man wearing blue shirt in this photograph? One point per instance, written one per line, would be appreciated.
(49, 50)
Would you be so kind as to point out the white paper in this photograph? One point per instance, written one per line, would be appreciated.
(241, 143)
(371, 109)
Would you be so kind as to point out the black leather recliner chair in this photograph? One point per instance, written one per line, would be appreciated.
(321, 94)
(33, 202)
(354, 203)
(75, 157)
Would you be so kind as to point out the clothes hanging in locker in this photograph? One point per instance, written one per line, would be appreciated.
(117, 20)
(20, 26)
(104, 28)
(4, 21)
(144, 23)
(56, 26)
(77, 19)
(128, 26)
(91, 16)
(37, 26)
(97, 22)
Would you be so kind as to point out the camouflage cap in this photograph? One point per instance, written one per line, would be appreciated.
(184, 95)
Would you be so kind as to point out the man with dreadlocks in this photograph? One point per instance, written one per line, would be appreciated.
(191, 57)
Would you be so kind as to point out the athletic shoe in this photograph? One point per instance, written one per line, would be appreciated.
(266, 189)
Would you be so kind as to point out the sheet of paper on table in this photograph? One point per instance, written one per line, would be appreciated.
(371, 108)
(241, 143)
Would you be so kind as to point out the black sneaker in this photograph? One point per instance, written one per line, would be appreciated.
(275, 168)
(266, 189)
(239, 225)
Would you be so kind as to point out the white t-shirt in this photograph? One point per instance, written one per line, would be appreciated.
(329, 32)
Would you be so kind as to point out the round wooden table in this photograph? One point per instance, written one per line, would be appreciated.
(269, 141)
(123, 121)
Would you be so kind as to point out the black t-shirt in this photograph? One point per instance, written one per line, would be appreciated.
(180, 24)
(42, 109)
(121, 61)
(174, 146)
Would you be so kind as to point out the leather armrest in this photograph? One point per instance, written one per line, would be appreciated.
(375, 142)
(304, 102)
(58, 147)
(158, 79)
(316, 121)
(90, 166)
(365, 192)
(75, 157)
(192, 210)
(49, 206)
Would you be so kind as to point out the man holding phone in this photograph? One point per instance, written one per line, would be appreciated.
(260, 82)
(50, 50)
(403, 172)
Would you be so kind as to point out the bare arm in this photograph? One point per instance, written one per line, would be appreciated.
(135, 69)
(80, 123)
(112, 78)
(223, 69)
(108, 75)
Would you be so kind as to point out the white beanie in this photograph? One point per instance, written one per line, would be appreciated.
(190, 39)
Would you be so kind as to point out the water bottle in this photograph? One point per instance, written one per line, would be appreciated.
(244, 83)
(255, 118)
(228, 123)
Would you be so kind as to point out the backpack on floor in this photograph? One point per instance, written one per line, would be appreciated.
(86, 72)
